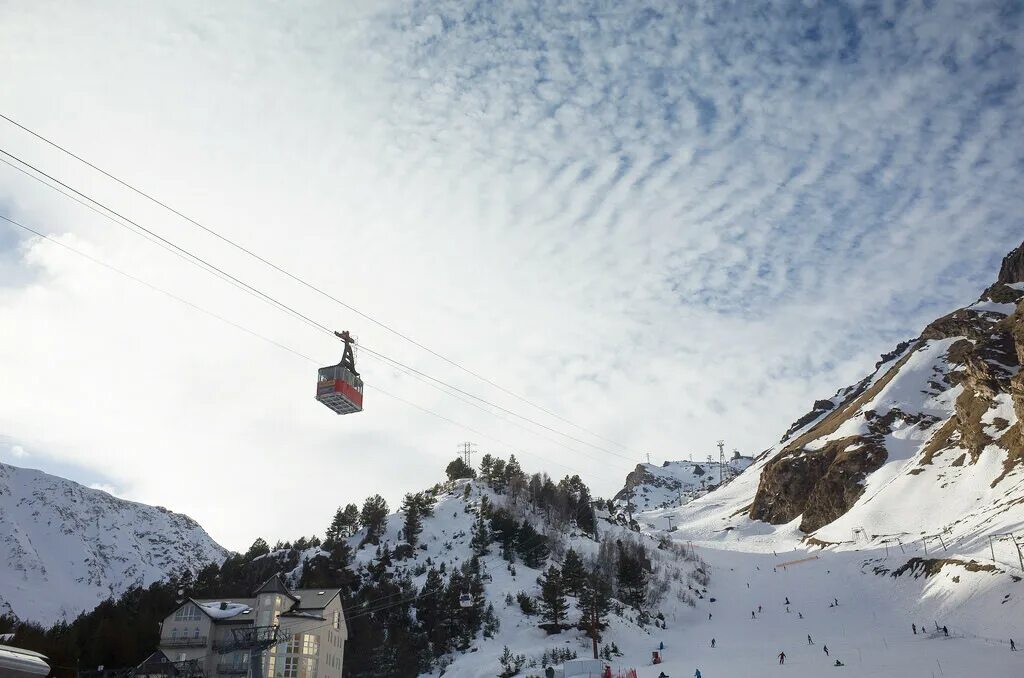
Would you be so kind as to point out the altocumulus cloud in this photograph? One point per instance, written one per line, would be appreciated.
(669, 221)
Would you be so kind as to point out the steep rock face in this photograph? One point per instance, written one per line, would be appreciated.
(64, 548)
(954, 393)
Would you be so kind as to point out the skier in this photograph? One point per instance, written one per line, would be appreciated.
(945, 631)
(759, 609)
(661, 645)
(662, 675)
(748, 584)
(809, 641)
(712, 643)
(1013, 645)
(837, 601)
(695, 675)
(825, 648)
(752, 616)
(709, 616)
(800, 614)
(913, 627)
(782, 657)
(839, 663)
(787, 600)
(787, 609)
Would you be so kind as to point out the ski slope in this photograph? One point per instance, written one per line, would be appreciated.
(870, 630)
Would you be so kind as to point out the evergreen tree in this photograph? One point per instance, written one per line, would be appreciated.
(632, 576)
(486, 462)
(574, 574)
(595, 601)
(531, 546)
(459, 469)
(552, 596)
(413, 525)
(258, 548)
(373, 518)
(497, 477)
(343, 525)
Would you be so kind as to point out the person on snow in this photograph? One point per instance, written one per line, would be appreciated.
(825, 648)
(695, 675)
(839, 663)
(787, 609)
(800, 614)
(712, 643)
(661, 645)
(662, 675)
(945, 631)
(913, 627)
(809, 641)
(782, 657)
(709, 616)
(752, 615)
(759, 609)
(836, 601)
(787, 600)
(1013, 645)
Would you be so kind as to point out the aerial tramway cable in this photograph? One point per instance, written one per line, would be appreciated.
(203, 264)
(298, 279)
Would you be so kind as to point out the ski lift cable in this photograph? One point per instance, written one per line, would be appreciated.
(302, 281)
(491, 412)
(198, 261)
(268, 340)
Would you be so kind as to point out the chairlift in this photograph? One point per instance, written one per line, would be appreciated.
(465, 600)
(339, 387)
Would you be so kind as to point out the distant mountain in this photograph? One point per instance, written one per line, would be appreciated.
(64, 547)
(928, 443)
(676, 482)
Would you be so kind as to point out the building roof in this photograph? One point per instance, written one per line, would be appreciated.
(314, 599)
(276, 585)
(227, 609)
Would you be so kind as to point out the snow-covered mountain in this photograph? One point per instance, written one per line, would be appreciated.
(676, 482)
(64, 547)
(928, 444)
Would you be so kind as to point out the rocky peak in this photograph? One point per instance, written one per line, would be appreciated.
(1012, 269)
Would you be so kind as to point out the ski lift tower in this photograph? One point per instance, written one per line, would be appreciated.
(255, 640)
(721, 461)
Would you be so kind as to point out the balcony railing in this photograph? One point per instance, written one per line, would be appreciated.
(231, 669)
(184, 642)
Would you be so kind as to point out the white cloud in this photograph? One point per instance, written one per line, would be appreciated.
(670, 224)
(103, 487)
(19, 452)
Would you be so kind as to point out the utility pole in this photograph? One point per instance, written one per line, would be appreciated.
(721, 461)
(669, 519)
(466, 450)
(648, 457)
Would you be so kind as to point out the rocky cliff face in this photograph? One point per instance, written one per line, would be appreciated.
(952, 396)
(64, 548)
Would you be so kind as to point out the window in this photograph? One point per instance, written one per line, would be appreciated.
(291, 667)
(337, 619)
(310, 644)
(196, 633)
(188, 613)
(174, 633)
(308, 669)
(294, 643)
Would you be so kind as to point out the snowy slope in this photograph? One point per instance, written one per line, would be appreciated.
(446, 537)
(64, 547)
(676, 482)
(928, 444)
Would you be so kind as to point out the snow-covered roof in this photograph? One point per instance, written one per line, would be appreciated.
(225, 609)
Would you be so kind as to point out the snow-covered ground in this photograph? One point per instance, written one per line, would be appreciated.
(869, 631)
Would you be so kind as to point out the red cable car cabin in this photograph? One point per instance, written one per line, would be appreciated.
(339, 386)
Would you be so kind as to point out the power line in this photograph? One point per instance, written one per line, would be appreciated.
(298, 279)
(198, 261)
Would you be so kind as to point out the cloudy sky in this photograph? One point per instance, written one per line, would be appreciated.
(665, 222)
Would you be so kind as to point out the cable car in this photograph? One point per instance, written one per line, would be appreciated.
(465, 600)
(339, 386)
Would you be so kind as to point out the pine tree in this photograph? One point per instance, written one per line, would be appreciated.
(486, 462)
(413, 525)
(459, 469)
(632, 577)
(595, 601)
(491, 622)
(574, 574)
(552, 596)
(531, 546)
(343, 525)
(258, 548)
(373, 518)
